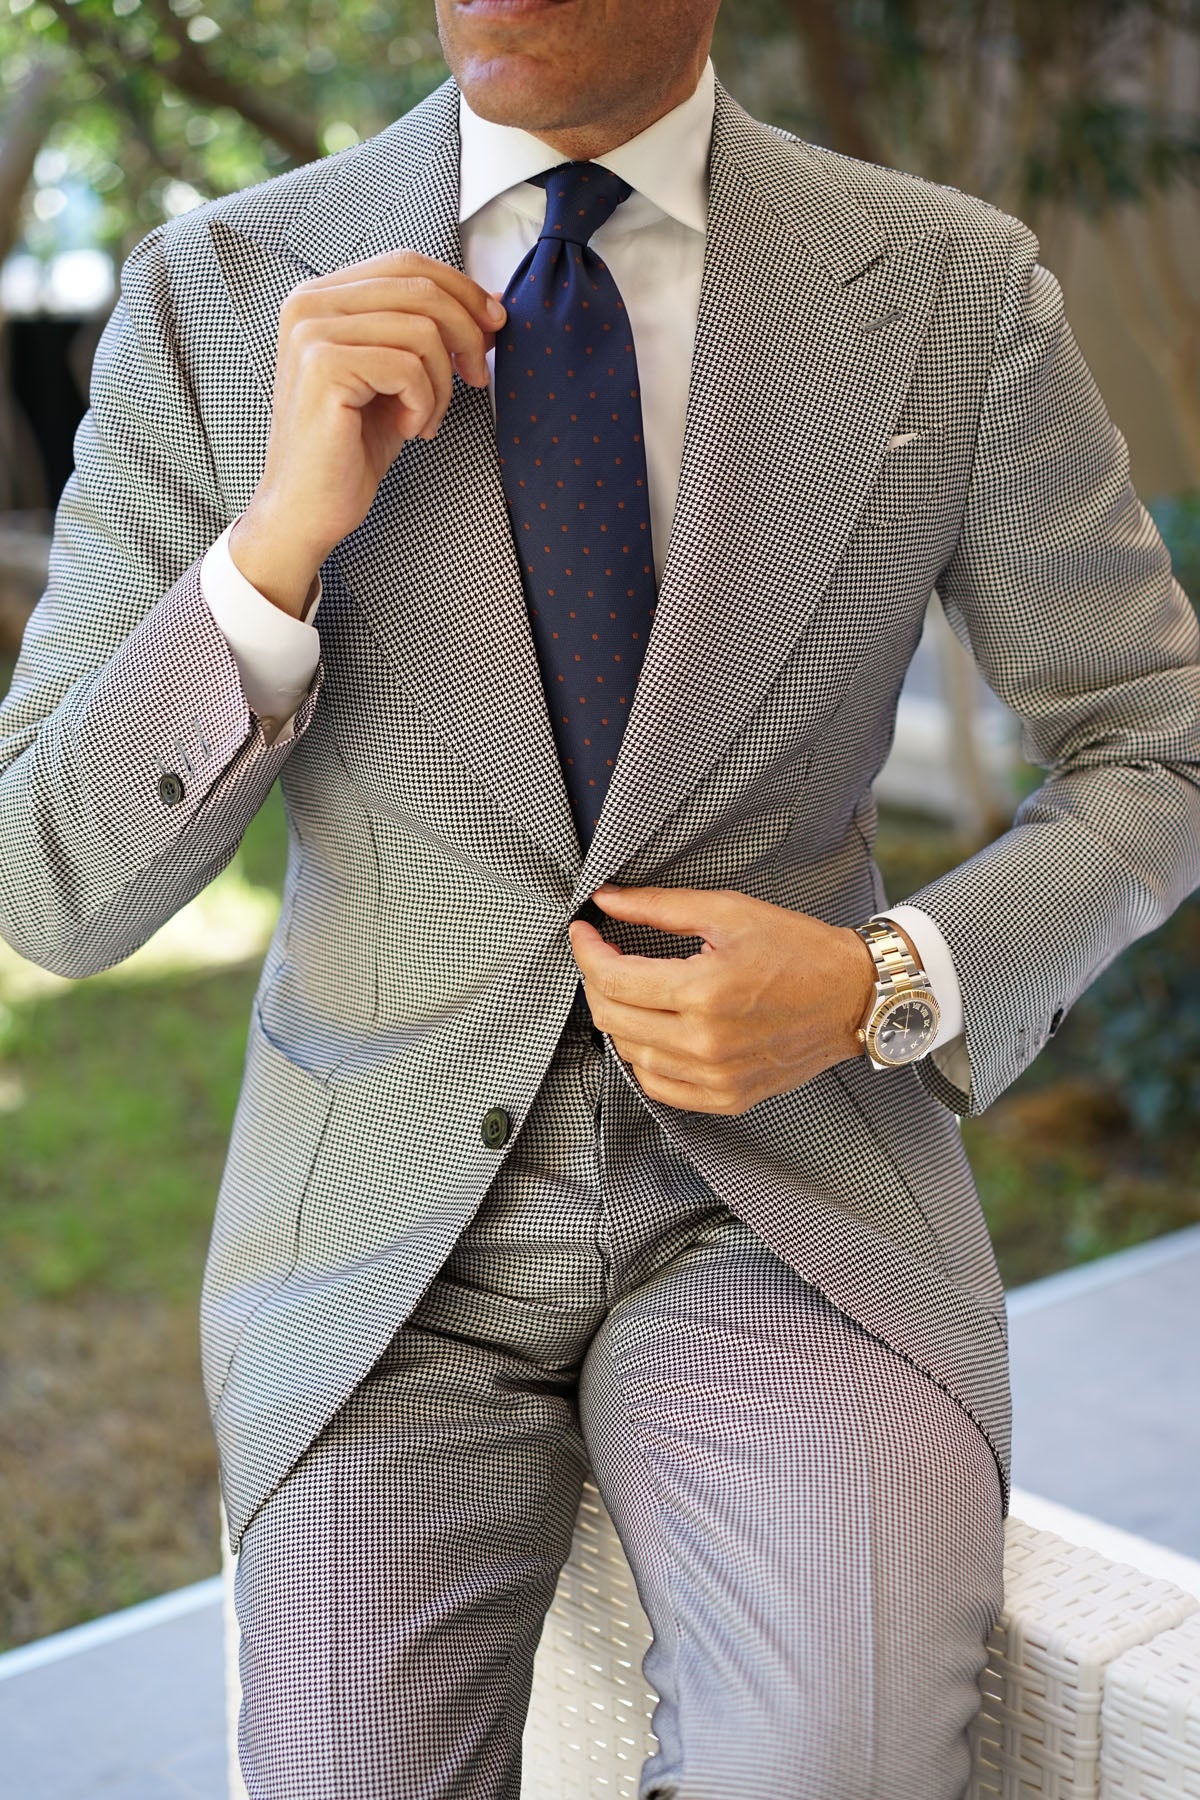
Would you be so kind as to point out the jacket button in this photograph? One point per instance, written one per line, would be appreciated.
(1056, 1021)
(496, 1128)
(170, 789)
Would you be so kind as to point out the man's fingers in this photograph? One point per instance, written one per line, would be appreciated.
(395, 317)
(659, 983)
(392, 263)
(407, 282)
(363, 372)
(382, 331)
(650, 1031)
(685, 1096)
(684, 912)
(404, 297)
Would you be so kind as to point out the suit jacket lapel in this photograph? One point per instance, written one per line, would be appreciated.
(789, 411)
(790, 405)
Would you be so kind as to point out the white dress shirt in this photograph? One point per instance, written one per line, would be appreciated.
(653, 245)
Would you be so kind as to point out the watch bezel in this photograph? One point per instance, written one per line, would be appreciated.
(883, 1010)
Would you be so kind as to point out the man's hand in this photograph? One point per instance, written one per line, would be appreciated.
(366, 360)
(773, 998)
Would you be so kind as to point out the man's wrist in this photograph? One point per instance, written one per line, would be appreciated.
(860, 986)
(863, 974)
(904, 939)
(284, 574)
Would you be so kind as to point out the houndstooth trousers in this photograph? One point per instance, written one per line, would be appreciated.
(814, 1524)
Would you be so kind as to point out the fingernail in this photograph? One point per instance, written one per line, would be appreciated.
(496, 311)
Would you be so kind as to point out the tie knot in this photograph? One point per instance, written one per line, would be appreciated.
(580, 196)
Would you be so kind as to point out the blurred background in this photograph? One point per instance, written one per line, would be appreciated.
(1082, 117)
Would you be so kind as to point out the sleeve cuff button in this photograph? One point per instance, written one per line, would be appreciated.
(170, 788)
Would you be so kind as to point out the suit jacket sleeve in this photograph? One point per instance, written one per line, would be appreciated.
(124, 675)
(1062, 588)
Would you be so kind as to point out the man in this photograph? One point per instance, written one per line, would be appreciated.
(608, 591)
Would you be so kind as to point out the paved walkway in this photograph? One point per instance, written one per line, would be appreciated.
(1106, 1372)
(129, 1708)
(1106, 1425)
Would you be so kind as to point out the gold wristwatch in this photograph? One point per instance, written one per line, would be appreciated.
(904, 1016)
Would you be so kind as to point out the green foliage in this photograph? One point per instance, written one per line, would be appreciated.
(1138, 1029)
(162, 105)
(165, 102)
(1178, 519)
(1095, 152)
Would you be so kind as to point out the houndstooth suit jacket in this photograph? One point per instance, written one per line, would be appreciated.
(421, 971)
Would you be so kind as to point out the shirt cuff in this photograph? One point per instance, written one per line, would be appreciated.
(276, 654)
(949, 1047)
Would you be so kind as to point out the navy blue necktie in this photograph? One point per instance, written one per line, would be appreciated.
(569, 437)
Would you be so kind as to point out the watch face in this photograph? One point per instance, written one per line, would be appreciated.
(905, 1029)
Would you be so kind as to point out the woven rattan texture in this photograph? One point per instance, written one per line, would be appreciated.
(588, 1730)
(1069, 1613)
(1150, 1719)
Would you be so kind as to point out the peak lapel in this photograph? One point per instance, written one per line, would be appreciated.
(789, 411)
(432, 568)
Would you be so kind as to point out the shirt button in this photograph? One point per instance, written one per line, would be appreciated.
(496, 1128)
(170, 789)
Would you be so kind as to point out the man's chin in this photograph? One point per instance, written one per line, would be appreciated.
(516, 90)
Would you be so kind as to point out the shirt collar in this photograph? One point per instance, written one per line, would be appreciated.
(667, 163)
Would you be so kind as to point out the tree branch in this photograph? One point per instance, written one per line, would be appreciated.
(192, 74)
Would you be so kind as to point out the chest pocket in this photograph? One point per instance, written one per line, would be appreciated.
(907, 481)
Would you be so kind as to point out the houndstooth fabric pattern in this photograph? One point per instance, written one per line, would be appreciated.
(421, 972)
(814, 1525)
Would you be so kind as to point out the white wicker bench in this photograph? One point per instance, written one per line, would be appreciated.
(1091, 1692)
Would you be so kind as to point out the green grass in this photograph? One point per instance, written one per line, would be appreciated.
(116, 1099)
(122, 1094)
(111, 1161)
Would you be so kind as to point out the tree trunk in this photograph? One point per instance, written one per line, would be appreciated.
(26, 122)
(830, 82)
(1172, 355)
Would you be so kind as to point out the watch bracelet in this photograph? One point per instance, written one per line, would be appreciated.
(896, 969)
